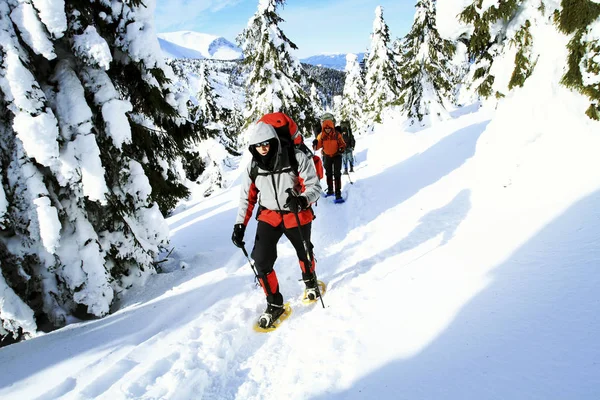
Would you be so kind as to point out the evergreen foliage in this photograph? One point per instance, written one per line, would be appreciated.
(428, 76)
(485, 44)
(329, 82)
(90, 133)
(206, 97)
(581, 18)
(381, 80)
(276, 79)
(354, 94)
(523, 64)
(316, 102)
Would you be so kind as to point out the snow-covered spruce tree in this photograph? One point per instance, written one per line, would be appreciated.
(207, 104)
(275, 77)
(381, 80)
(199, 78)
(89, 128)
(354, 94)
(428, 76)
(223, 125)
(329, 82)
(317, 103)
(498, 27)
(336, 109)
(581, 18)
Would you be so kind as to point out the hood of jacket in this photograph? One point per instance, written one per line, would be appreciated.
(328, 124)
(261, 133)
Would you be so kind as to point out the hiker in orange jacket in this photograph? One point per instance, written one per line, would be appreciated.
(333, 147)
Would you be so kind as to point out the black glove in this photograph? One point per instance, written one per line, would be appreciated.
(315, 143)
(296, 203)
(238, 235)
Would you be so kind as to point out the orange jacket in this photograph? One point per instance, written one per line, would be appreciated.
(332, 143)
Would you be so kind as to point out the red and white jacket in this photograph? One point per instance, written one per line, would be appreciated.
(268, 188)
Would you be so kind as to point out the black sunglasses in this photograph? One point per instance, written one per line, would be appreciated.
(262, 144)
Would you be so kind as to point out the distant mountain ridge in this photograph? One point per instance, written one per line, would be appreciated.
(195, 45)
(333, 61)
(189, 44)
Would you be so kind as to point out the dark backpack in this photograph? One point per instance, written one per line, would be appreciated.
(290, 139)
(345, 125)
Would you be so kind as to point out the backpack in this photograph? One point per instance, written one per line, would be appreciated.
(290, 139)
(346, 126)
(327, 116)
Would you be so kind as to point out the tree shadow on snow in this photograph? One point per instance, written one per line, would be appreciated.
(370, 197)
(360, 157)
(204, 250)
(532, 333)
(443, 221)
(138, 326)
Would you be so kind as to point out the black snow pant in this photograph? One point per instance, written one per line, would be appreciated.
(333, 171)
(264, 255)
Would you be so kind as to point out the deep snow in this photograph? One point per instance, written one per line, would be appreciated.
(453, 273)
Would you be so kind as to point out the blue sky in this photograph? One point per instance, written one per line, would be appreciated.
(315, 26)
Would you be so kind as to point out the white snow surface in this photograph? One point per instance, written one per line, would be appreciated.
(463, 265)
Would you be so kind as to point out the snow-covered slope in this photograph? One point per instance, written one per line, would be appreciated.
(171, 50)
(334, 61)
(464, 265)
(464, 261)
(189, 44)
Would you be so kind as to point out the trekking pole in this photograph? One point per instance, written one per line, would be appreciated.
(291, 192)
(350, 179)
(251, 264)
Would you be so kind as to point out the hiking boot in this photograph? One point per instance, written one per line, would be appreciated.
(312, 294)
(271, 314)
(346, 172)
(312, 290)
(338, 196)
(351, 169)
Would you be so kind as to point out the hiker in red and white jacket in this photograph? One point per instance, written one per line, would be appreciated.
(275, 168)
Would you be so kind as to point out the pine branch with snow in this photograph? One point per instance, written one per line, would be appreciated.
(582, 19)
(496, 27)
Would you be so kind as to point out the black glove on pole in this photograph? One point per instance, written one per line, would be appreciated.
(291, 192)
(238, 235)
(296, 203)
(238, 239)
